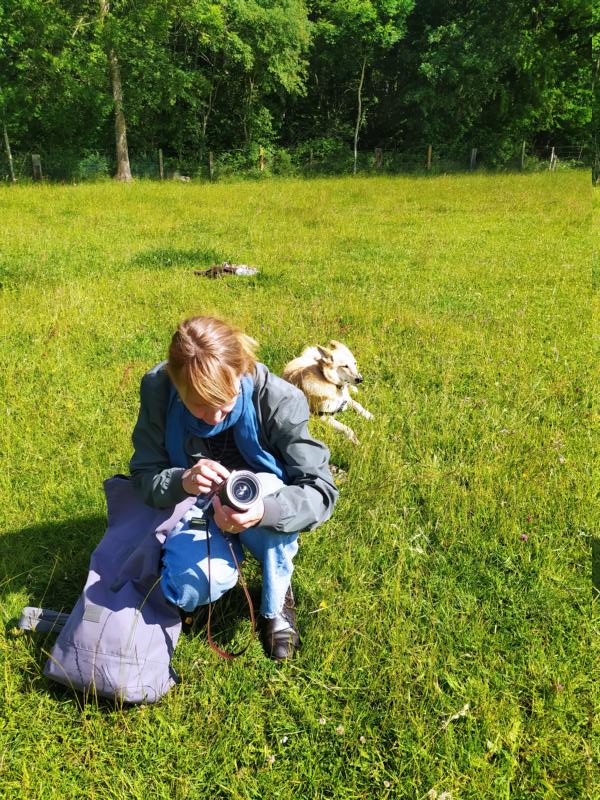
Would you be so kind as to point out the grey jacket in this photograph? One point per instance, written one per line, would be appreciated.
(282, 415)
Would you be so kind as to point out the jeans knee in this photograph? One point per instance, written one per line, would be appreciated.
(190, 589)
(267, 546)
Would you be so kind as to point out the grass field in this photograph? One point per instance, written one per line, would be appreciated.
(445, 609)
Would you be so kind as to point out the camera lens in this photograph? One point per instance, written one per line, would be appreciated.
(243, 490)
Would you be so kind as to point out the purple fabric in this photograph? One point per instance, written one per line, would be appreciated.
(119, 638)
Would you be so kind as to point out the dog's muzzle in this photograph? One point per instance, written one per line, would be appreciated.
(358, 379)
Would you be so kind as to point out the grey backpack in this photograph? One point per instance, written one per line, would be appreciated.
(119, 639)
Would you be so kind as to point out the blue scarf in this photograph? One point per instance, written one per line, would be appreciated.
(181, 424)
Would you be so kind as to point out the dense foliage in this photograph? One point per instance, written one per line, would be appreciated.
(308, 75)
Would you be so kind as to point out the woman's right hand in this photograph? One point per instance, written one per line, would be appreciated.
(204, 476)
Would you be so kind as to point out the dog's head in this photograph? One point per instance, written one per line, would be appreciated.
(338, 364)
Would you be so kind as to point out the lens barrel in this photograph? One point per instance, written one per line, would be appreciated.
(241, 490)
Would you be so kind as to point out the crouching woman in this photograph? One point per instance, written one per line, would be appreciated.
(208, 410)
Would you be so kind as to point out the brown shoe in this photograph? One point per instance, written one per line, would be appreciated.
(279, 635)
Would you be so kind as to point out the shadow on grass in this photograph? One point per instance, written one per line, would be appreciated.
(167, 257)
(49, 562)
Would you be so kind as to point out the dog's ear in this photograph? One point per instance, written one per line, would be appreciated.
(334, 345)
(325, 354)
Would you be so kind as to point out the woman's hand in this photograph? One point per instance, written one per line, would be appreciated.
(232, 521)
(204, 476)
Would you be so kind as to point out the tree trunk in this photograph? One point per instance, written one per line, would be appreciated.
(9, 154)
(212, 96)
(359, 114)
(246, 121)
(123, 168)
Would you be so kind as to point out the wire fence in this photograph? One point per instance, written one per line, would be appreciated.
(304, 160)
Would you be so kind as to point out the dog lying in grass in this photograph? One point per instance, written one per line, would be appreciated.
(327, 376)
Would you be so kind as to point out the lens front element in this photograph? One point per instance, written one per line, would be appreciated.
(241, 490)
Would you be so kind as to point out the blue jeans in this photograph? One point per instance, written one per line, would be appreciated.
(184, 576)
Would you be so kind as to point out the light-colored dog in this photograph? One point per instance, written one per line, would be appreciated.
(327, 376)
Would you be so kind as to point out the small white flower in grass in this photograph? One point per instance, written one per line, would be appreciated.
(387, 784)
(283, 739)
(340, 730)
(362, 739)
(322, 720)
(458, 715)
(270, 759)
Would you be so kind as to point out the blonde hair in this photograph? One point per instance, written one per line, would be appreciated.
(207, 358)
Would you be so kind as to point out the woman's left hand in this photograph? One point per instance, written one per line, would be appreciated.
(231, 521)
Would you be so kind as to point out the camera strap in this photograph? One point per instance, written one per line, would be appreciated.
(215, 647)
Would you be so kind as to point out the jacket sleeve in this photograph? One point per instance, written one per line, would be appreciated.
(151, 472)
(308, 499)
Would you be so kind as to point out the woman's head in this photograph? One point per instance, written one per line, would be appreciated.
(207, 358)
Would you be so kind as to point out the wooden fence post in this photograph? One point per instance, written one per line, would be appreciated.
(310, 159)
(211, 165)
(36, 163)
(553, 160)
(11, 168)
(523, 154)
(261, 158)
(378, 157)
(161, 168)
(429, 156)
(473, 158)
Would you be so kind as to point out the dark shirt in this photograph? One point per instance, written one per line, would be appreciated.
(221, 448)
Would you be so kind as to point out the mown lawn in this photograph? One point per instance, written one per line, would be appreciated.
(445, 609)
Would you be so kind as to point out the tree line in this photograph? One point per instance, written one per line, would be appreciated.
(313, 76)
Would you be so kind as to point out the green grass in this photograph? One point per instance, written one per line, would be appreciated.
(467, 300)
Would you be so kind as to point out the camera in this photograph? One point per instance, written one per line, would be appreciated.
(241, 490)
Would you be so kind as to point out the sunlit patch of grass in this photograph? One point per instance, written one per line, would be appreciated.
(455, 569)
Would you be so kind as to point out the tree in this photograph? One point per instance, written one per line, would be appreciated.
(492, 75)
(596, 90)
(266, 46)
(51, 96)
(123, 168)
(232, 63)
(358, 30)
(188, 75)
